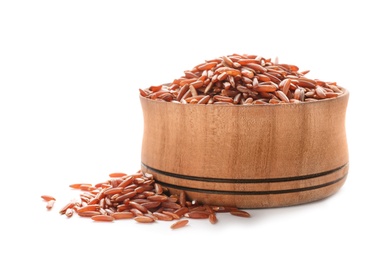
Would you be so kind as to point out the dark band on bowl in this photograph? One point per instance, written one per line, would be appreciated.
(265, 180)
(340, 178)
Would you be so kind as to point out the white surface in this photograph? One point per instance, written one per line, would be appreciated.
(69, 112)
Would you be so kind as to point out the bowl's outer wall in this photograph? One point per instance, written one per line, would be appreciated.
(261, 143)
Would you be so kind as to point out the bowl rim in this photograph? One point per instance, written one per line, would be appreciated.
(345, 93)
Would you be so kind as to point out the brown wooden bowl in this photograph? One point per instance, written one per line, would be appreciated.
(256, 156)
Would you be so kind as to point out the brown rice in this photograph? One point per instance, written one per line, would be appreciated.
(139, 197)
(243, 80)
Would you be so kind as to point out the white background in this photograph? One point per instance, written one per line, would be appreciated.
(69, 112)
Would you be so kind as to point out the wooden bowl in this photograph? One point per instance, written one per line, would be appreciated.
(256, 156)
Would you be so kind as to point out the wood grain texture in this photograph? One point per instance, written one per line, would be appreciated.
(277, 155)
